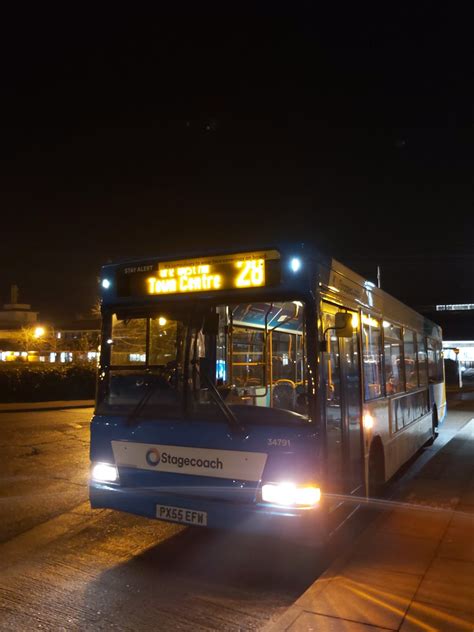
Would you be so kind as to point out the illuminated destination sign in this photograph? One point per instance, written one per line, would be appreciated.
(215, 273)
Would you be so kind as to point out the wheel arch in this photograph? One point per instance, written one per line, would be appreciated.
(376, 474)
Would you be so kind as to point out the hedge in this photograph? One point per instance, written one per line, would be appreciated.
(42, 384)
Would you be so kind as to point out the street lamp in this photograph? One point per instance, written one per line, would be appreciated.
(39, 332)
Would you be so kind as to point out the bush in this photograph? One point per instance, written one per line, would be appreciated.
(46, 383)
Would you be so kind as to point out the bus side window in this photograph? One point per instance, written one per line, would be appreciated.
(372, 357)
(332, 361)
(409, 353)
(422, 360)
(435, 361)
(393, 354)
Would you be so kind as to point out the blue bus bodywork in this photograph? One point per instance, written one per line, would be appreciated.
(227, 503)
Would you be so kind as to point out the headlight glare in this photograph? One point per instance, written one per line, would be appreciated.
(105, 473)
(289, 494)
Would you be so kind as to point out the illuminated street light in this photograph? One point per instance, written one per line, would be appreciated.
(38, 332)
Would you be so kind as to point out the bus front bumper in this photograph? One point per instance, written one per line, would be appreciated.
(219, 514)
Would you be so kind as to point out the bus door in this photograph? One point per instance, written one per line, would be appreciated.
(342, 388)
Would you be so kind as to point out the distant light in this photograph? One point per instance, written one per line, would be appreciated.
(162, 321)
(106, 284)
(39, 331)
(295, 264)
(110, 341)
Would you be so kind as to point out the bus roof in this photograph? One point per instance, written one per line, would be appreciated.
(342, 281)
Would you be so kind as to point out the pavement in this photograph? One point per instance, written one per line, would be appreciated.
(35, 406)
(413, 568)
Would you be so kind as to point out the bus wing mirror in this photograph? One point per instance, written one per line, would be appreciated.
(343, 325)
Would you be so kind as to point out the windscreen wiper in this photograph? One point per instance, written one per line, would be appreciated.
(145, 398)
(234, 423)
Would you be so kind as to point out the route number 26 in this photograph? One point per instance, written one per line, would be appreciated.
(252, 273)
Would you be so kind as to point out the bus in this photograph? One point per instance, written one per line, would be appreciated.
(268, 391)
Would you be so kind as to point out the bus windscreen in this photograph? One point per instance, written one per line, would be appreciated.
(252, 353)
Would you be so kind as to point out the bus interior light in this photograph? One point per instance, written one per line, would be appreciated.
(105, 284)
(289, 494)
(105, 473)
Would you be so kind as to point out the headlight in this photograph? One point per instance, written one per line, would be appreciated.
(104, 472)
(295, 264)
(289, 494)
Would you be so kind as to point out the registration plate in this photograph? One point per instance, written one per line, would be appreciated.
(184, 516)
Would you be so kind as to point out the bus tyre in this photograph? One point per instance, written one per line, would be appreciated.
(434, 426)
(376, 471)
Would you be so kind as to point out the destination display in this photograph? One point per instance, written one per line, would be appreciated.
(214, 273)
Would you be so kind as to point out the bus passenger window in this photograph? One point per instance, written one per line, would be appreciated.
(266, 356)
(372, 357)
(409, 353)
(393, 354)
(435, 361)
(286, 349)
(248, 357)
(422, 360)
(128, 341)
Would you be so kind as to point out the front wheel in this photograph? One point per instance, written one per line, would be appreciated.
(376, 473)
(434, 427)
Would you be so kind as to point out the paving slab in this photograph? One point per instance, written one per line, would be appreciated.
(423, 522)
(396, 552)
(422, 617)
(449, 583)
(308, 621)
(373, 596)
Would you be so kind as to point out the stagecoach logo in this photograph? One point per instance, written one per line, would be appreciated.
(232, 464)
(153, 457)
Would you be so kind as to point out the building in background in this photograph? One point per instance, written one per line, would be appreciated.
(19, 330)
(24, 339)
(15, 315)
(77, 341)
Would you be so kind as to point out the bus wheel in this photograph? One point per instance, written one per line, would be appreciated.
(376, 471)
(434, 426)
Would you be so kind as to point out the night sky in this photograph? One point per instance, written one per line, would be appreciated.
(128, 133)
